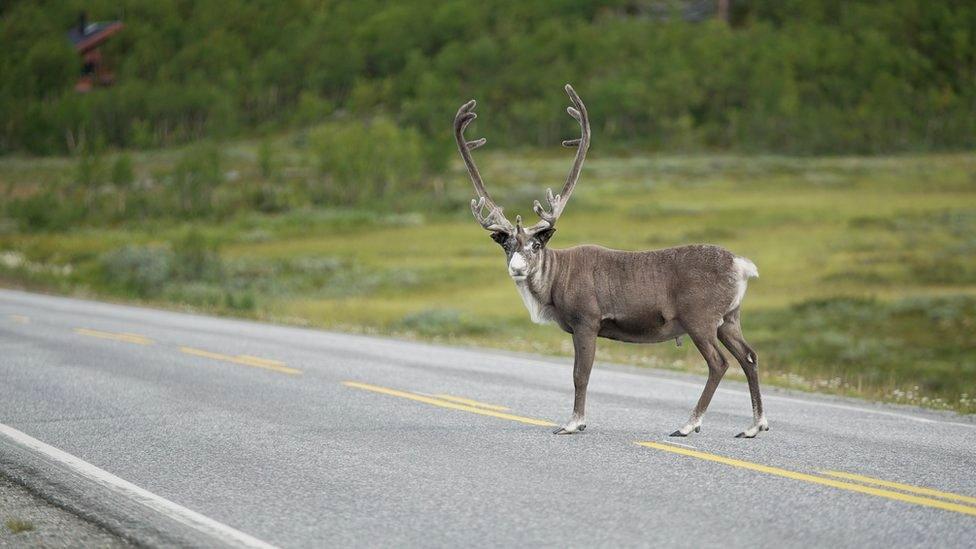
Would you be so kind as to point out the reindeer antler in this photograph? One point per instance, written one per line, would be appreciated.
(558, 202)
(495, 220)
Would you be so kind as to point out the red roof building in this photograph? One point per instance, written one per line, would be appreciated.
(86, 38)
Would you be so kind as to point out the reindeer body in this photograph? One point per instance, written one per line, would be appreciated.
(636, 297)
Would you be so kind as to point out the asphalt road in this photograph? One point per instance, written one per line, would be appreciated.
(305, 438)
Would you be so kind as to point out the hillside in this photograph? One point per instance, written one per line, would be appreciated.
(788, 76)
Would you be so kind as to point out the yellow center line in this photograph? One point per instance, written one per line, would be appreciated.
(899, 486)
(446, 404)
(245, 360)
(907, 498)
(470, 402)
(128, 338)
(20, 319)
(259, 360)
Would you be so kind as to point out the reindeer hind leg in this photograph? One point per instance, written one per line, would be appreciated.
(730, 334)
(707, 344)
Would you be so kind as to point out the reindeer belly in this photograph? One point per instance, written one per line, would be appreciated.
(652, 328)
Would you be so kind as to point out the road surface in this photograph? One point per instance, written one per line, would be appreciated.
(168, 427)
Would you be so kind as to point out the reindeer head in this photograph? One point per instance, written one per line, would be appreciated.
(523, 246)
(523, 250)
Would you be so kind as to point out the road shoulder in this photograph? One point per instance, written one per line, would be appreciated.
(101, 498)
(29, 520)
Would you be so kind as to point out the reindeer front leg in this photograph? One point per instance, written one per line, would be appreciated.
(584, 343)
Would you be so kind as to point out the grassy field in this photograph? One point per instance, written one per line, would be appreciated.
(868, 265)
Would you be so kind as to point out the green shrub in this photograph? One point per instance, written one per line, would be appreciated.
(195, 258)
(269, 198)
(312, 109)
(239, 301)
(195, 178)
(266, 159)
(855, 340)
(141, 270)
(46, 210)
(442, 322)
(90, 168)
(367, 162)
(122, 173)
(196, 294)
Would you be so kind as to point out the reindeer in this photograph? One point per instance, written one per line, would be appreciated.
(637, 297)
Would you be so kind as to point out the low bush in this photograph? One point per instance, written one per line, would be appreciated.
(140, 270)
(866, 342)
(195, 258)
(123, 175)
(368, 161)
(147, 271)
(194, 180)
(441, 322)
(266, 159)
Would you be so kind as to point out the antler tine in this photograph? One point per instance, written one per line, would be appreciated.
(558, 202)
(549, 216)
(495, 220)
(582, 143)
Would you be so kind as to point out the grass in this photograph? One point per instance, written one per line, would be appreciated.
(18, 526)
(868, 270)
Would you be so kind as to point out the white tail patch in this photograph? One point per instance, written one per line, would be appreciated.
(744, 270)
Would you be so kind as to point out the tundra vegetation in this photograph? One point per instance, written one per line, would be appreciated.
(291, 161)
(868, 264)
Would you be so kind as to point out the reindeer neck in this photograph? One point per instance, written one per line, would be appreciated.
(536, 291)
(540, 283)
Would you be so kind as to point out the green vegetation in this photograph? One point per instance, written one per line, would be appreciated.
(365, 164)
(336, 203)
(868, 270)
(18, 526)
(787, 76)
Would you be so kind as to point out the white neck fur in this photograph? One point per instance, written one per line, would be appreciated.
(539, 312)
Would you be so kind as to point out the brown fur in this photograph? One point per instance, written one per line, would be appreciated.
(637, 297)
(646, 297)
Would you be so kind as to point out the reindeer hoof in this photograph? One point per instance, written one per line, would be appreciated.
(678, 433)
(574, 426)
(751, 432)
(570, 431)
(757, 428)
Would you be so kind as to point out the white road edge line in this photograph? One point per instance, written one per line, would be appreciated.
(161, 505)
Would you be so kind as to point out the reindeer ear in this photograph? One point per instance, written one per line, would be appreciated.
(544, 236)
(500, 237)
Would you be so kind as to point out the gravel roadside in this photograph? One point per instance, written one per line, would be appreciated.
(29, 521)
